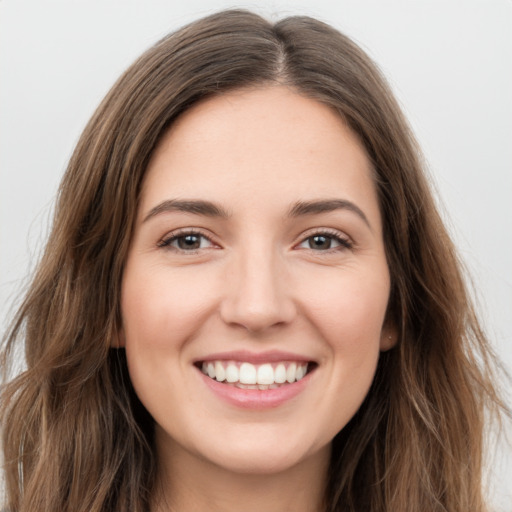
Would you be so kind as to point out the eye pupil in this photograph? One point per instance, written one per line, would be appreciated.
(320, 242)
(189, 242)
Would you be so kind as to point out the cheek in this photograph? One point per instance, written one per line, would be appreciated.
(349, 309)
(160, 307)
(160, 313)
(350, 315)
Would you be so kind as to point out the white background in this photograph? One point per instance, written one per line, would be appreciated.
(448, 61)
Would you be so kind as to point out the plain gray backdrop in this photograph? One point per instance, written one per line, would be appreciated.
(448, 61)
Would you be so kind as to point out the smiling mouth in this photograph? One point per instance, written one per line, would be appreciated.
(246, 375)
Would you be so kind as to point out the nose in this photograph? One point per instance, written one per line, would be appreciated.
(257, 296)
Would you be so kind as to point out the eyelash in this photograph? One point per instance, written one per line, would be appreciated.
(332, 235)
(173, 237)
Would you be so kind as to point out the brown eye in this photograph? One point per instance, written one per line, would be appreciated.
(320, 242)
(323, 242)
(186, 242)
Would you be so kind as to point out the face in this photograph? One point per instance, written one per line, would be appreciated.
(256, 285)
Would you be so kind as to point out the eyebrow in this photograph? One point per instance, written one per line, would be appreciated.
(209, 209)
(326, 205)
(197, 207)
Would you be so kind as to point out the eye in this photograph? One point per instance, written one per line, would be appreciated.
(325, 242)
(189, 241)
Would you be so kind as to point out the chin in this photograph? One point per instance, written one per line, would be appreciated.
(263, 464)
(261, 457)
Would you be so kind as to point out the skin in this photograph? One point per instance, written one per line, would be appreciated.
(256, 282)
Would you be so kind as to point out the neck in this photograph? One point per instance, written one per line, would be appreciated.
(188, 484)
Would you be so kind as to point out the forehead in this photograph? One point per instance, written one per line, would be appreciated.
(268, 142)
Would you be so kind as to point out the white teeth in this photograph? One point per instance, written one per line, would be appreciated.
(265, 374)
(232, 373)
(211, 370)
(220, 373)
(280, 374)
(290, 372)
(301, 371)
(248, 373)
(248, 376)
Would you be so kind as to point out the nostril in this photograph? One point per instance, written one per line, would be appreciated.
(254, 319)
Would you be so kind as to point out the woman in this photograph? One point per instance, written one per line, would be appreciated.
(248, 299)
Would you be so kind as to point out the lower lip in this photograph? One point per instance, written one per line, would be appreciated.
(256, 398)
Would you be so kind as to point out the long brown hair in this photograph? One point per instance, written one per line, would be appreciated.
(75, 437)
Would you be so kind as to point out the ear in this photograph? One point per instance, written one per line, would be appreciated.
(388, 337)
(118, 339)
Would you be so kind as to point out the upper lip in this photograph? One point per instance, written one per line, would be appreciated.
(270, 356)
